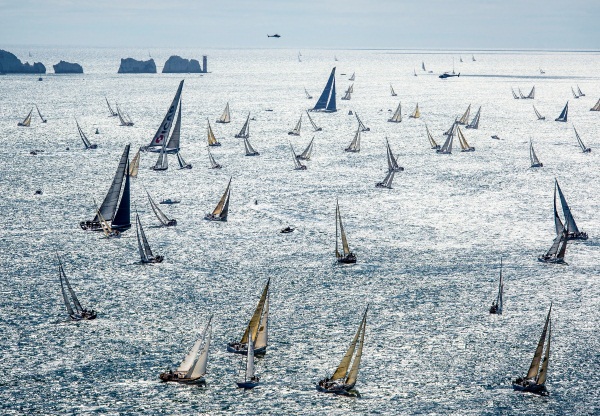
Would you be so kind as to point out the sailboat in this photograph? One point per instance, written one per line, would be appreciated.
(172, 145)
(463, 142)
(515, 96)
(447, 146)
(164, 220)
(535, 162)
(296, 130)
(355, 143)
(193, 367)
(222, 209)
(306, 154)
(343, 381)
(392, 89)
(297, 164)
(474, 124)
(498, 304)
(596, 107)
(157, 142)
(416, 113)
(391, 160)
(312, 123)
(556, 253)
(76, 312)
(162, 163)
(531, 95)
(250, 151)
(574, 93)
(106, 228)
(352, 77)
(299, 57)
(521, 94)
(538, 115)
(347, 95)
(397, 117)
(110, 110)
(226, 116)
(542, 71)
(335, 58)
(535, 381)
(473, 58)
(84, 138)
(432, 142)
(346, 256)
(465, 117)
(245, 131)
(423, 65)
(361, 125)
(124, 118)
(257, 329)
(40, 114)
(251, 380)
(308, 96)
(213, 162)
(326, 101)
(564, 114)
(119, 218)
(573, 232)
(387, 181)
(414, 72)
(584, 149)
(460, 59)
(143, 245)
(182, 163)
(212, 140)
(579, 92)
(27, 121)
(134, 166)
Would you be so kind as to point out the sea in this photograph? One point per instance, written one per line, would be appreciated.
(429, 249)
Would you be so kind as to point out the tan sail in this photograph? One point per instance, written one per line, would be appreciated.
(103, 223)
(219, 209)
(212, 140)
(262, 337)
(27, 121)
(397, 117)
(416, 113)
(353, 374)
(345, 247)
(225, 117)
(256, 317)
(544, 371)
(430, 137)
(465, 118)
(135, 165)
(342, 369)
(596, 107)
(535, 363)
(462, 140)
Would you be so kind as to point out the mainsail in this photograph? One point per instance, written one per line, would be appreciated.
(326, 102)
(173, 143)
(165, 127)
(416, 113)
(584, 149)
(465, 117)
(537, 357)
(564, 114)
(199, 367)
(515, 96)
(124, 118)
(162, 163)
(579, 92)
(499, 298)
(134, 166)
(256, 321)
(341, 372)
(296, 130)
(182, 163)
(538, 115)
(109, 205)
(432, 142)
(245, 131)
(312, 123)
(122, 218)
(338, 223)
(397, 117)
(391, 160)
(222, 209)
(574, 93)
(307, 152)
(143, 245)
(212, 140)
(569, 220)
(387, 181)
(474, 124)
(297, 164)
(361, 125)
(226, 116)
(531, 93)
(110, 110)
(521, 94)
(355, 144)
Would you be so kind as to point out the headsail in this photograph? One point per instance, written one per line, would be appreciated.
(463, 141)
(297, 164)
(392, 90)
(253, 326)
(182, 163)
(432, 142)
(535, 363)
(345, 247)
(596, 107)
(173, 144)
(162, 163)
(250, 151)
(391, 160)
(447, 146)
(515, 96)
(531, 95)
(122, 218)
(387, 181)
(326, 102)
(143, 245)
(124, 118)
(569, 220)
(353, 374)
(165, 127)
(84, 138)
(134, 166)
(397, 117)
(199, 368)
(579, 92)
(40, 114)
(361, 125)
(110, 110)
(213, 162)
(164, 220)
(535, 162)
(27, 121)
(222, 208)
(212, 140)
(308, 96)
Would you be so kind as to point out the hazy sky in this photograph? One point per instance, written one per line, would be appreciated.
(469, 24)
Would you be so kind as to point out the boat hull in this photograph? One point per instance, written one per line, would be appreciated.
(252, 154)
(348, 259)
(537, 165)
(215, 144)
(382, 185)
(156, 149)
(173, 377)
(531, 388)
(155, 259)
(247, 385)
(243, 349)
(577, 236)
(211, 217)
(551, 260)
(329, 387)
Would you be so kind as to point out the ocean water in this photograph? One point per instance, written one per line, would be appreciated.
(428, 249)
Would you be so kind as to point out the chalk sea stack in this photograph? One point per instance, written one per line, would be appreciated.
(10, 64)
(178, 65)
(131, 66)
(64, 67)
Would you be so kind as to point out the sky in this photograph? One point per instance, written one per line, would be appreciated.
(328, 24)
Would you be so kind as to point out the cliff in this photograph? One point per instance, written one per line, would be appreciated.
(177, 65)
(131, 66)
(67, 68)
(10, 64)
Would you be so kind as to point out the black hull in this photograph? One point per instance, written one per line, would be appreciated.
(533, 388)
(243, 349)
(349, 259)
(172, 377)
(156, 259)
(537, 165)
(577, 236)
(552, 260)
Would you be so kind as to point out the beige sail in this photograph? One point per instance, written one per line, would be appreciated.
(416, 113)
(103, 223)
(225, 117)
(342, 369)
(219, 209)
(256, 317)
(544, 371)
(430, 137)
(462, 140)
(596, 107)
(262, 336)
(465, 118)
(353, 374)
(212, 140)
(535, 363)
(27, 121)
(342, 234)
(135, 165)
(397, 117)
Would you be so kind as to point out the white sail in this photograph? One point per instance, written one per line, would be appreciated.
(535, 162)
(312, 123)
(296, 130)
(397, 117)
(250, 360)
(162, 163)
(226, 116)
(584, 149)
(537, 113)
(308, 96)
(515, 96)
(213, 162)
(574, 93)
(297, 164)
(355, 144)
(199, 368)
(190, 358)
(40, 114)
(250, 151)
(447, 146)
(306, 154)
(361, 125)
(579, 92)
(27, 121)
(245, 131)
(416, 113)
(392, 91)
(173, 144)
(347, 96)
(387, 181)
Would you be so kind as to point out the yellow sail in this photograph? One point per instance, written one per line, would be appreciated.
(535, 363)
(462, 139)
(222, 202)
(544, 371)
(353, 374)
(211, 136)
(417, 112)
(465, 117)
(135, 165)
(256, 317)
(342, 369)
